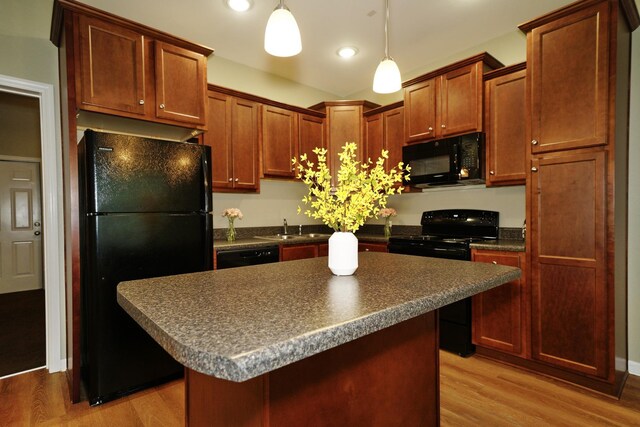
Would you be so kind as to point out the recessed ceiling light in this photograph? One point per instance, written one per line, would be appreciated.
(347, 52)
(239, 5)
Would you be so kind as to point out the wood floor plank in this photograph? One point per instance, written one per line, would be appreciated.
(474, 392)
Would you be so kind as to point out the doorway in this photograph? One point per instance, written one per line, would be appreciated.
(46, 167)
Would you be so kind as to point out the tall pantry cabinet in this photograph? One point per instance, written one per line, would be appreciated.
(578, 71)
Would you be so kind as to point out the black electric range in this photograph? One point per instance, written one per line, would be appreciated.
(448, 234)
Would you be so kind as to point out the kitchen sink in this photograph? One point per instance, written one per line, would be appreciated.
(315, 235)
(278, 237)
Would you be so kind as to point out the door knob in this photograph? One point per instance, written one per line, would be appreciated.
(37, 233)
(36, 224)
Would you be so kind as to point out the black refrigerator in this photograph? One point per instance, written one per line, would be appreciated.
(145, 211)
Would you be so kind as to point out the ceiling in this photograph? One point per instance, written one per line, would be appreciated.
(420, 31)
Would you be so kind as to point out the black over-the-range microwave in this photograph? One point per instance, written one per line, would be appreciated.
(457, 160)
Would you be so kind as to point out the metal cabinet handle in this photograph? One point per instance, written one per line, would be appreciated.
(161, 106)
(230, 179)
(534, 142)
(37, 233)
(366, 250)
(141, 102)
(429, 130)
(492, 173)
(534, 169)
(237, 179)
(494, 262)
(442, 126)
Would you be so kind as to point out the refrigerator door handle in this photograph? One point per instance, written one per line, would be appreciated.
(206, 171)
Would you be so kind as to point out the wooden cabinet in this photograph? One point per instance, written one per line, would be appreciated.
(233, 138)
(279, 141)
(372, 247)
(569, 76)
(498, 315)
(123, 70)
(504, 123)
(113, 82)
(293, 252)
(577, 184)
(447, 101)
(181, 84)
(384, 129)
(311, 135)
(568, 262)
(344, 123)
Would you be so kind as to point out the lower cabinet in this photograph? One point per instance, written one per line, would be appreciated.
(499, 313)
(312, 250)
(293, 252)
(372, 247)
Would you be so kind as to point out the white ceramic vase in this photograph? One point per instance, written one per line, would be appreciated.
(343, 253)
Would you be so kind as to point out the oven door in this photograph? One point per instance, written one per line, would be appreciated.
(428, 249)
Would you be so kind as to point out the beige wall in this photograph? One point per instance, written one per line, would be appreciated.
(29, 58)
(236, 76)
(19, 125)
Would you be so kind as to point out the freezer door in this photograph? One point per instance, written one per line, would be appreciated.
(118, 355)
(132, 174)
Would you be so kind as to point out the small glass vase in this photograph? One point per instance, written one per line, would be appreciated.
(231, 231)
(387, 227)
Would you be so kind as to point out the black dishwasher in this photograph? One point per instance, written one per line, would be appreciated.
(243, 257)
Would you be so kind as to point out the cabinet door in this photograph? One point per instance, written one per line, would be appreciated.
(420, 105)
(393, 135)
(244, 140)
(460, 105)
(111, 68)
(373, 136)
(372, 247)
(568, 271)
(218, 137)
(505, 129)
(279, 141)
(345, 125)
(290, 253)
(181, 84)
(568, 63)
(311, 135)
(323, 249)
(498, 314)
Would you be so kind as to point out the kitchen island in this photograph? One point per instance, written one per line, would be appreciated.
(291, 344)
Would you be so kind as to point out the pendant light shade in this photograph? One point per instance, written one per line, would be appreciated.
(387, 78)
(282, 36)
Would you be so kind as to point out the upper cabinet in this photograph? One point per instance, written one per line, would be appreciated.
(384, 130)
(569, 80)
(344, 123)
(125, 69)
(504, 124)
(311, 134)
(233, 137)
(279, 141)
(181, 84)
(447, 101)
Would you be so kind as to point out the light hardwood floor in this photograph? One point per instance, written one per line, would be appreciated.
(474, 392)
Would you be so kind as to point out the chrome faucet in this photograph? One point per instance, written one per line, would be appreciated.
(300, 230)
(285, 226)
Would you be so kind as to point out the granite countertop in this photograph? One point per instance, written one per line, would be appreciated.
(239, 323)
(500, 245)
(258, 242)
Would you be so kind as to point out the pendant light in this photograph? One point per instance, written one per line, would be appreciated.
(387, 78)
(282, 35)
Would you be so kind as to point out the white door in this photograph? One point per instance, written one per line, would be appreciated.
(20, 227)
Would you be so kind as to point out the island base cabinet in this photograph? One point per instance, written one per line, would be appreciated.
(389, 377)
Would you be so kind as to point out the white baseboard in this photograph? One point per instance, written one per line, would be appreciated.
(634, 368)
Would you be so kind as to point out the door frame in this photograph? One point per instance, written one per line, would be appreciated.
(52, 215)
